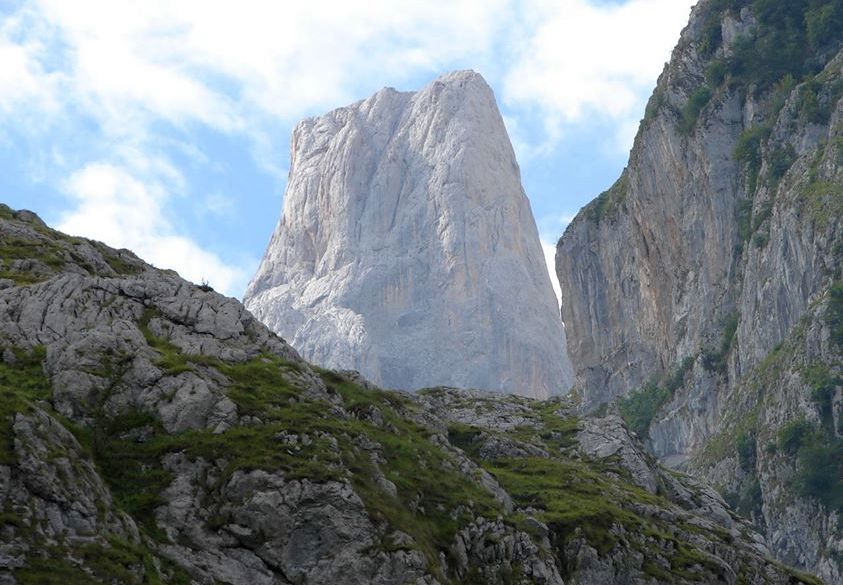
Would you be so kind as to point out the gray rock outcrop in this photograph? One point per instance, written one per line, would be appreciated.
(153, 431)
(700, 289)
(407, 249)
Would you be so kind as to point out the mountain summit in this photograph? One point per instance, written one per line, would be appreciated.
(407, 248)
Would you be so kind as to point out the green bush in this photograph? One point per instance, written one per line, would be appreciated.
(824, 200)
(715, 360)
(748, 151)
(749, 497)
(745, 446)
(715, 73)
(792, 38)
(818, 451)
(691, 112)
(712, 35)
(821, 473)
(823, 23)
(823, 387)
(639, 408)
(779, 162)
(794, 435)
(809, 103)
(760, 240)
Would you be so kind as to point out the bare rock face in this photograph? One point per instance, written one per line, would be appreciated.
(703, 290)
(407, 249)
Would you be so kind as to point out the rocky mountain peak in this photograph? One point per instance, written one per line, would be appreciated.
(407, 249)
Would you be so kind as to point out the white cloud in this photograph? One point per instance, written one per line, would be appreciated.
(218, 204)
(113, 206)
(143, 74)
(26, 87)
(584, 59)
(225, 64)
(139, 78)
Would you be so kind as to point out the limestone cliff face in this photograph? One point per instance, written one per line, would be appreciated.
(407, 249)
(719, 242)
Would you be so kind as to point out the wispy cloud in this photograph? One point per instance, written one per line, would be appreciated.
(582, 59)
(112, 205)
(110, 93)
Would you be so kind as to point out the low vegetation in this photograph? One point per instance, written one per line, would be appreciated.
(693, 107)
(22, 383)
(792, 38)
(819, 457)
(640, 408)
(834, 313)
(748, 151)
(606, 205)
(715, 360)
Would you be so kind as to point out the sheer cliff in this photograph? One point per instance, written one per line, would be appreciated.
(153, 431)
(407, 249)
(702, 291)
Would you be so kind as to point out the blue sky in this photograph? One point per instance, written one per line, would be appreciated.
(164, 126)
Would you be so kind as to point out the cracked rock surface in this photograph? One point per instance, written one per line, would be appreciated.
(153, 431)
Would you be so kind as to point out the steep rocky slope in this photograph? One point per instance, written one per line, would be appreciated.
(152, 431)
(703, 289)
(407, 249)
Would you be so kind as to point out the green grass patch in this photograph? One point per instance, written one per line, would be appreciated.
(21, 384)
(44, 259)
(173, 361)
(303, 438)
(824, 201)
(569, 496)
(113, 560)
(122, 262)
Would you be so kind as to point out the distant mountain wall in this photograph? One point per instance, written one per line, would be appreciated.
(702, 293)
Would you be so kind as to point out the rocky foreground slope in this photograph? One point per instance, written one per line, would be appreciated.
(703, 290)
(407, 249)
(152, 431)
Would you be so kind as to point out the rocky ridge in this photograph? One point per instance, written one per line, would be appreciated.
(407, 249)
(703, 291)
(153, 431)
